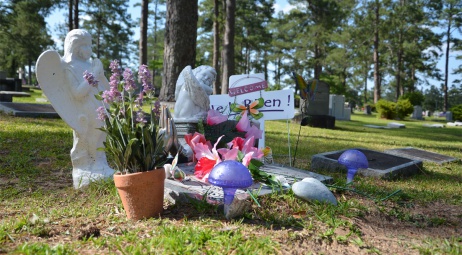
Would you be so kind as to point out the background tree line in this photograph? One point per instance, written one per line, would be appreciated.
(394, 43)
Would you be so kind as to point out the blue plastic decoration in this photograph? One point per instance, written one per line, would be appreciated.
(353, 160)
(230, 175)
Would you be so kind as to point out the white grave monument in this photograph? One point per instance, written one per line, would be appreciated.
(338, 109)
(61, 79)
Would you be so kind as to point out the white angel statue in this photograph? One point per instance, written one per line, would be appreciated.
(192, 91)
(73, 98)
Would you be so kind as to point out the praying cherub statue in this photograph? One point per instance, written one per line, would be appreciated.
(193, 88)
(73, 98)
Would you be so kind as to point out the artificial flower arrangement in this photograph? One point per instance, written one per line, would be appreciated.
(133, 141)
(241, 147)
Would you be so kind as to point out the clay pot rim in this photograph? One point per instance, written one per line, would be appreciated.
(118, 173)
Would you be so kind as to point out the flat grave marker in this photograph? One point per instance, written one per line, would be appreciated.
(417, 154)
(28, 110)
(381, 165)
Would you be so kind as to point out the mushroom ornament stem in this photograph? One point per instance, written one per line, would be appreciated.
(230, 175)
(353, 160)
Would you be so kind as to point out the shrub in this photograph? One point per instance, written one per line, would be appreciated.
(386, 109)
(416, 97)
(404, 108)
(457, 112)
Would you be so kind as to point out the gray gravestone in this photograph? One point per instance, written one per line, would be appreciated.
(317, 110)
(320, 104)
(367, 110)
(417, 114)
(448, 116)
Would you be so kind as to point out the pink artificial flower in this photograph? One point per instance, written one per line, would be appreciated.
(249, 147)
(196, 138)
(206, 159)
(214, 117)
(237, 142)
(244, 124)
(247, 158)
(255, 132)
(228, 154)
(245, 146)
(203, 168)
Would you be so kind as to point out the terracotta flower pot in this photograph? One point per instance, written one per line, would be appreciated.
(142, 193)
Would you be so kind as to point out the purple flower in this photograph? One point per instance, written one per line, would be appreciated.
(129, 81)
(90, 78)
(114, 66)
(145, 77)
(114, 82)
(139, 100)
(101, 113)
(111, 95)
(140, 118)
(156, 109)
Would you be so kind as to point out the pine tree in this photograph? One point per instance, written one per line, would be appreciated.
(179, 43)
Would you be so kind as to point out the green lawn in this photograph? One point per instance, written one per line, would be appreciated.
(34, 94)
(40, 213)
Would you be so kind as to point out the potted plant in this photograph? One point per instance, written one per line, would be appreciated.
(133, 142)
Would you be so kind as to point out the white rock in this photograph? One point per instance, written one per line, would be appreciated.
(310, 189)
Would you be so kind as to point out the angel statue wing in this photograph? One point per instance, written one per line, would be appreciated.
(51, 78)
(198, 95)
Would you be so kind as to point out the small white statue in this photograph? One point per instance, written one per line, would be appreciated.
(192, 92)
(73, 98)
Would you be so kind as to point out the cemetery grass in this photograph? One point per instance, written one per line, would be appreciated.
(40, 212)
(35, 95)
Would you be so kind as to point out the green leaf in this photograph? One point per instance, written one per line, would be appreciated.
(99, 97)
(128, 150)
(234, 107)
(261, 103)
(257, 116)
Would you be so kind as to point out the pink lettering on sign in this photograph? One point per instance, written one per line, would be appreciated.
(247, 88)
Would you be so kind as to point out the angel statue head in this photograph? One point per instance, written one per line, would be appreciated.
(193, 88)
(77, 45)
(206, 75)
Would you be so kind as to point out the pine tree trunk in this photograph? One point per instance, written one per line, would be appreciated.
(317, 64)
(144, 32)
(228, 46)
(399, 86)
(179, 43)
(446, 66)
(154, 52)
(70, 21)
(377, 85)
(216, 47)
(76, 14)
(365, 83)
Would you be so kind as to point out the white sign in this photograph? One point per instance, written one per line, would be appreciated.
(278, 104)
